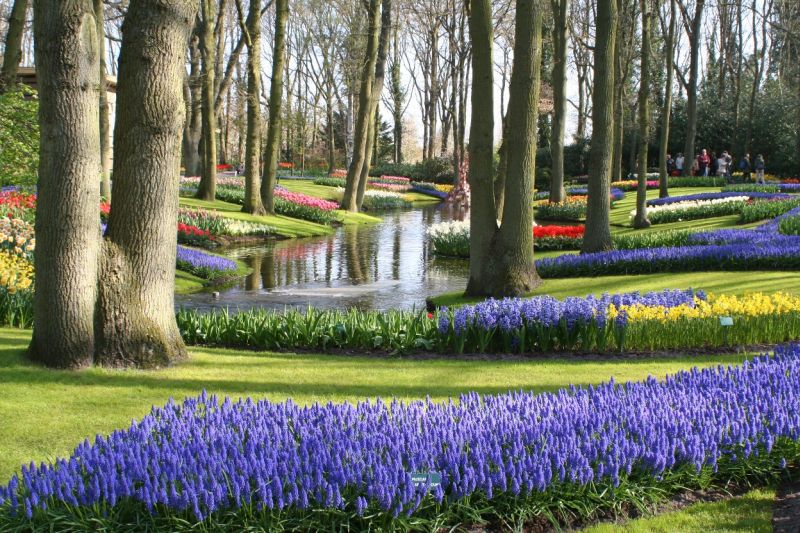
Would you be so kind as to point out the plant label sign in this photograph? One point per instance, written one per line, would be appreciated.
(432, 479)
(726, 321)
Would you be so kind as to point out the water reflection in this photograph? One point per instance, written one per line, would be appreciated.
(384, 266)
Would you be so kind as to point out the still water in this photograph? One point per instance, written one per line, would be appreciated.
(383, 266)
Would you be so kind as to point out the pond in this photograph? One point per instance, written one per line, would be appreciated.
(382, 266)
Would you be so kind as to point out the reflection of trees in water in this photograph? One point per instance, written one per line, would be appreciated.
(354, 261)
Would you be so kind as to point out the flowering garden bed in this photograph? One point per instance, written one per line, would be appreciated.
(510, 459)
(452, 238)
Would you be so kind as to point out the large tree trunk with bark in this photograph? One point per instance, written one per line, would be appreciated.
(272, 150)
(67, 222)
(105, 127)
(510, 269)
(364, 118)
(193, 129)
(136, 314)
(482, 216)
(598, 232)
(691, 90)
(640, 220)
(208, 179)
(373, 136)
(252, 158)
(560, 10)
(13, 44)
(666, 109)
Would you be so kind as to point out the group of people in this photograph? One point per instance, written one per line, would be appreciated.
(705, 164)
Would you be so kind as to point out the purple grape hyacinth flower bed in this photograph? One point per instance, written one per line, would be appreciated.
(753, 195)
(724, 249)
(202, 264)
(205, 457)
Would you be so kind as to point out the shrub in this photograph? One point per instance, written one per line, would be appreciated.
(330, 182)
(19, 137)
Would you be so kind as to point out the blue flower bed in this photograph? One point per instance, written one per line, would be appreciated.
(429, 192)
(753, 195)
(725, 249)
(516, 454)
(616, 193)
(202, 264)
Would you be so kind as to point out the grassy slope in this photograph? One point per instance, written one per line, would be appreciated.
(45, 413)
(718, 282)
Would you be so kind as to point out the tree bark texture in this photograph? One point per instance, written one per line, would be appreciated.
(13, 45)
(560, 10)
(208, 178)
(252, 158)
(105, 127)
(666, 110)
(136, 315)
(193, 129)
(598, 233)
(482, 217)
(67, 223)
(364, 119)
(510, 269)
(373, 136)
(640, 220)
(691, 91)
(272, 150)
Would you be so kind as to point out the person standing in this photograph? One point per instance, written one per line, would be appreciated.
(728, 164)
(713, 165)
(744, 166)
(670, 165)
(722, 165)
(703, 162)
(679, 161)
(760, 168)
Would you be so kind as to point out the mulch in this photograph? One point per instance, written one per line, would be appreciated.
(786, 510)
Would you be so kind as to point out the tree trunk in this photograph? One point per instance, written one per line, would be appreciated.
(397, 101)
(12, 54)
(510, 270)
(66, 256)
(364, 118)
(640, 220)
(136, 314)
(373, 137)
(598, 233)
(272, 151)
(208, 179)
(560, 9)
(482, 215)
(105, 128)
(193, 129)
(691, 91)
(252, 163)
(666, 110)
(331, 140)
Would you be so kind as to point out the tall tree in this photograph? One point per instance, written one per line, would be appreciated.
(105, 126)
(207, 189)
(66, 256)
(373, 135)
(560, 9)
(666, 108)
(193, 129)
(272, 150)
(13, 44)
(135, 312)
(482, 219)
(598, 232)
(693, 26)
(251, 28)
(365, 96)
(640, 220)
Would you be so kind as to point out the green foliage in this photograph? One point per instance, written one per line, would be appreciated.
(565, 211)
(695, 181)
(330, 182)
(790, 225)
(751, 187)
(436, 170)
(19, 137)
(651, 239)
(377, 202)
(16, 308)
(765, 210)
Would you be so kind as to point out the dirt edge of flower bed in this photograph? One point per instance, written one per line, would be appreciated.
(786, 509)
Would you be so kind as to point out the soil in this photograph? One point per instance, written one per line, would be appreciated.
(786, 510)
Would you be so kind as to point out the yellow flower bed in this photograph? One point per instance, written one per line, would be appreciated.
(750, 305)
(444, 188)
(16, 273)
(570, 200)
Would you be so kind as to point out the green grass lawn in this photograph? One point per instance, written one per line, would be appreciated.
(330, 193)
(284, 226)
(751, 512)
(46, 413)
